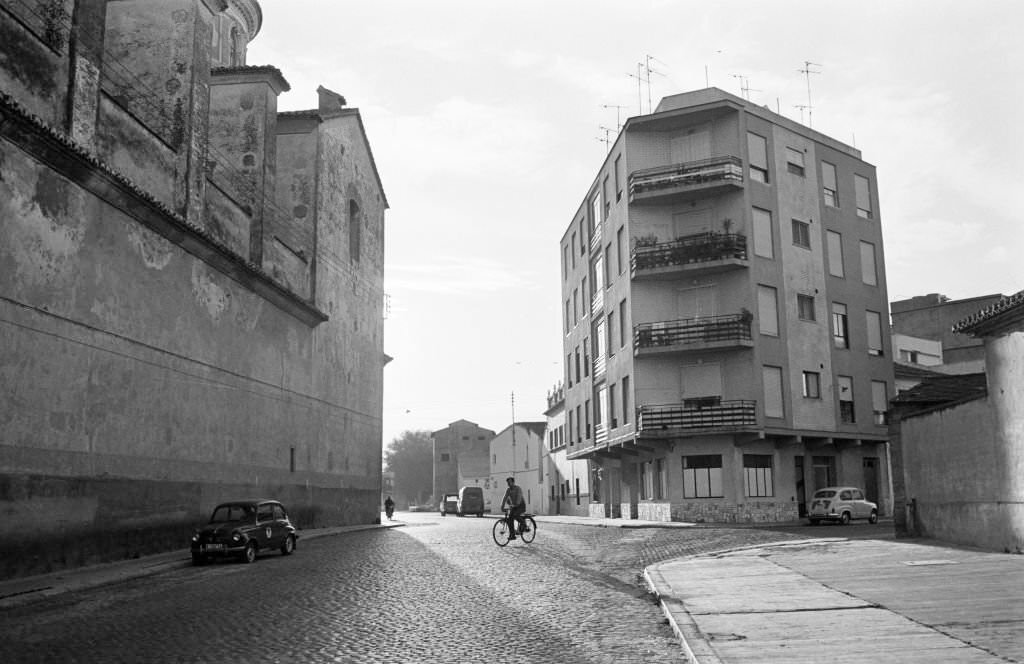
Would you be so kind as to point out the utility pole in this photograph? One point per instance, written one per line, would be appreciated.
(807, 71)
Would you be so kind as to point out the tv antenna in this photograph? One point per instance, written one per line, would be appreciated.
(607, 138)
(745, 88)
(643, 75)
(801, 107)
(618, 115)
(807, 71)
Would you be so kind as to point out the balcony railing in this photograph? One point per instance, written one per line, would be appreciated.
(597, 302)
(697, 176)
(721, 414)
(599, 367)
(691, 251)
(712, 331)
(600, 434)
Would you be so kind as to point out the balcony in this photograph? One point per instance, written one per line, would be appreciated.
(703, 253)
(693, 334)
(595, 239)
(713, 414)
(600, 434)
(597, 303)
(680, 182)
(599, 368)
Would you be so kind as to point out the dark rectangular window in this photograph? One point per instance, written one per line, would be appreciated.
(805, 307)
(795, 161)
(702, 476)
(812, 385)
(757, 475)
(801, 234)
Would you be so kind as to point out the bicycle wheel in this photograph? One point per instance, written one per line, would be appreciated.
(500, 532)
(531, 529)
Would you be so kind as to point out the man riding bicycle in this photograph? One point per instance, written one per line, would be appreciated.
(513, 498)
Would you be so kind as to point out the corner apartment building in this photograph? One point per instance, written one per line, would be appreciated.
(727, 348)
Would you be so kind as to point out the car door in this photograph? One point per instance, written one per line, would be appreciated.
(845, 503)
(861, 510)
(265, 526)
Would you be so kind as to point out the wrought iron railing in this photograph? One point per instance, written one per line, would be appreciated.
(681, 416)
(733, 327)
(699, 248)
(704, 171)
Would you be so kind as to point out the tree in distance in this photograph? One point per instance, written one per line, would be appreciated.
(410, 457)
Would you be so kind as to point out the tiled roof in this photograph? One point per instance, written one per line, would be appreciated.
(914, 371)
(972, 324)
(938, 392)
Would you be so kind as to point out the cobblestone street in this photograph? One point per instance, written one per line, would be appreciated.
(435, 590)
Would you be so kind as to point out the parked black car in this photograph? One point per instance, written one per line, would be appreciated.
(243, 529)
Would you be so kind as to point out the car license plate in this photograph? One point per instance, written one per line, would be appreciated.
(213, 547)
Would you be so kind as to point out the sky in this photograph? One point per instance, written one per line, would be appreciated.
(488, 121)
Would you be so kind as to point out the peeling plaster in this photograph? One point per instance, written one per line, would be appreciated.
(210, 295)
(156, 252)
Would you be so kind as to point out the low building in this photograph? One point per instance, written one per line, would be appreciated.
(461, 457)
(568, 481)
(958, 442)
(519, 451)
(931, 317)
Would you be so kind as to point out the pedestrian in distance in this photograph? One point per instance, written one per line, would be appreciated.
(389, 507)
(513, 499)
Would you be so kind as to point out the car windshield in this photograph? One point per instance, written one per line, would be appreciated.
(825, 494)
(228, 513)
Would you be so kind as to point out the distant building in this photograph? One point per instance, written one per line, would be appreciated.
(727, 349)
(190, 283)
(958, 441)
(568, 481)
(461, 457)
(519, 451)
(932, 317)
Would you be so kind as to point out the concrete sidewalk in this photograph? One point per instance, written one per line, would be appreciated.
(14, 592)
(838, 600)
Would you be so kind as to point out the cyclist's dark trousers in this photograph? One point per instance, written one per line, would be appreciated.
(515, 514)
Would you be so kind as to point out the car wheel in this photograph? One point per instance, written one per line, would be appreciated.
(288, 547)
(845, 518)
(874, 517)
(197, 559)
(814, 522)
(249, 555)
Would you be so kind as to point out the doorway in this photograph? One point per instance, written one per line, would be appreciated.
(801, 494)
(871, 479)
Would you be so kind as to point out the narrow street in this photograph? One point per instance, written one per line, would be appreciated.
(437, 589)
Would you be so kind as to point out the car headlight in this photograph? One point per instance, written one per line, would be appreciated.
(236, 537)
(195, 537)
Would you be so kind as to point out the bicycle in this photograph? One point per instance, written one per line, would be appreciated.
(501, 532)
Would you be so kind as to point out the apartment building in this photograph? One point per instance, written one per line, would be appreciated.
(519, 451)
(567, 481)
(462, 457)
(727, 349)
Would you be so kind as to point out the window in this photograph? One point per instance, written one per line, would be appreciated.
(354, 231)
(595, 211)
(583, 237)
(565, 262)
(847, 415)
(620, 249)
(624, 336)
(612, 329)
(862, 188)
(586, 414)
(601, 337)
(573, 252)
(702, 476)
(795, 161)
(568, 315)
(835, 254)
(767, 310)
(812, 385)
(659, 479)
(801, 234)
(577, 356)
(868, 272)
(611, 406)
(607, 264)
(584, 297)
(601, 407)
(805, 307)
(618, 177)
(757, 153)
(604, 195)
(880, 402)
(757, 475)
(586, 356)
(625, 400)
(568, 369)
(575, 306)
(772, 378)
(840, 326)
(579, 429)
(598, 275)
(569, 422)
(763, 233)
(874, 321)
(445, 456)
(828, 184)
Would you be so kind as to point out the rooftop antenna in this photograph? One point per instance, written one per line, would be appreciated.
(744, 86)
(607, 139)
(643, 75)
(807, 71)
(801, 107)
(647, 68)
(618, 115)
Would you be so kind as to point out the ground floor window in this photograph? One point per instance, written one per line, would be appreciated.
(702, 476)
(757, 474)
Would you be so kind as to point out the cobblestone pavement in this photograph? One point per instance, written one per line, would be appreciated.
(436, 590)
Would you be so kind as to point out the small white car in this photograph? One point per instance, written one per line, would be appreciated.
(842, 504)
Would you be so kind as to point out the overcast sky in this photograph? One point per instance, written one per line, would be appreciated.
(485, 119)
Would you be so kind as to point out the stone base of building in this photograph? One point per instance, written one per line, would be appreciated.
(714, 512)
(654, 511)
(53, 523)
